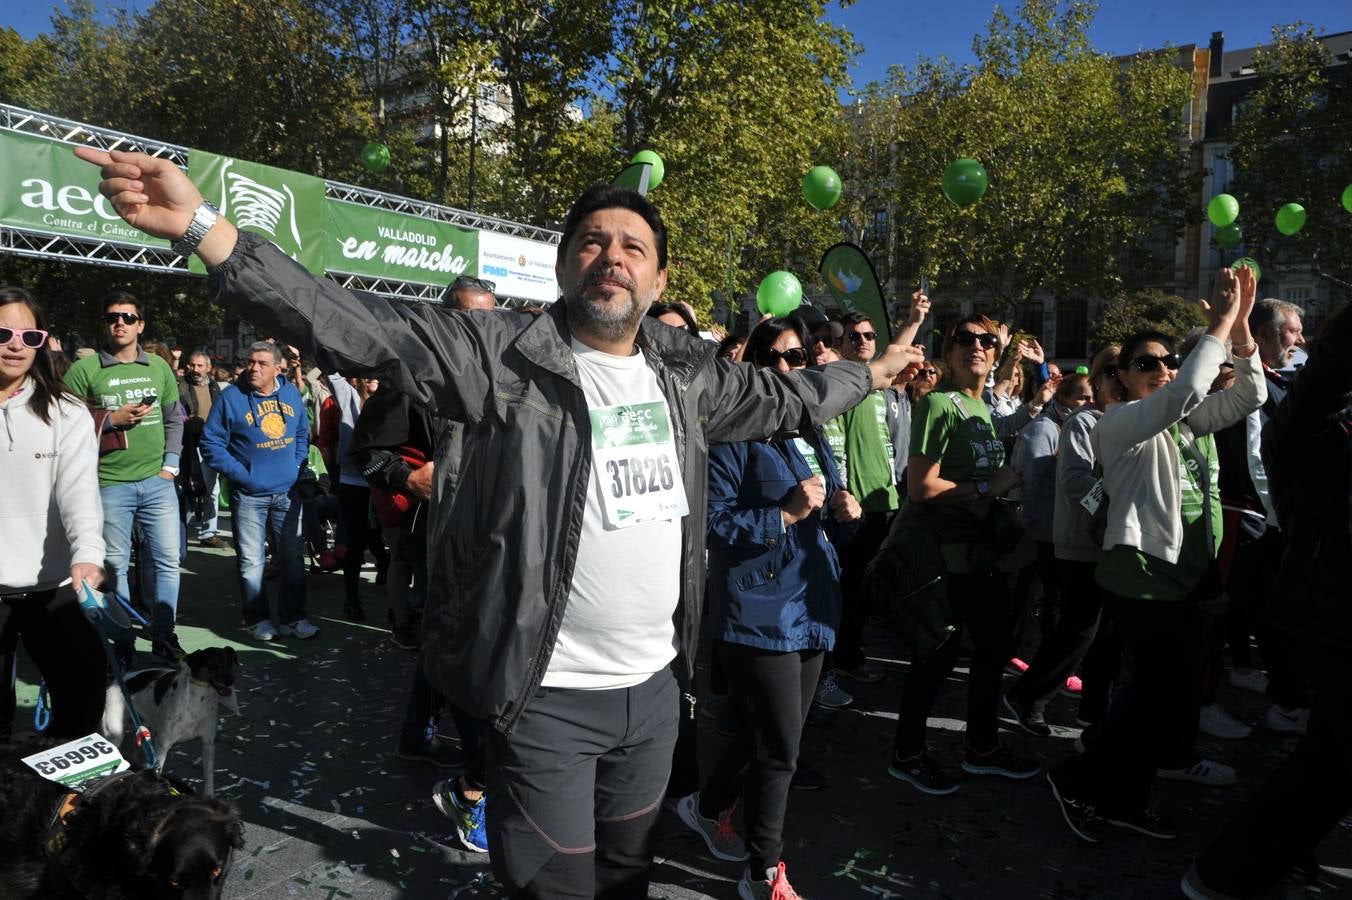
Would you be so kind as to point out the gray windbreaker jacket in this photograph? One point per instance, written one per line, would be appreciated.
(508, 538)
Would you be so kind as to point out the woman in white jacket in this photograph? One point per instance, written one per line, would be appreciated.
(1164, 527)
(51, 525)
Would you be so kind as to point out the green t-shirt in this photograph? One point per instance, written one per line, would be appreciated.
(861, 443)
(957, 431)
(108, 387)
(1128, 572)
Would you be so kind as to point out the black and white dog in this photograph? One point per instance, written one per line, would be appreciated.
(178, 705)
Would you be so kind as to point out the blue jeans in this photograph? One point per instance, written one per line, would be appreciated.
(151, 507)
(253, 516)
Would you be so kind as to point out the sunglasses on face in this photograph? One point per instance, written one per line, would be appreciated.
(32, 338)
(1152, 363)
(483, 284)
(968, 338)
(928, 373)
(1109, 371)
(858, 337)
(112, 318)
(825, 338)
(770, 357)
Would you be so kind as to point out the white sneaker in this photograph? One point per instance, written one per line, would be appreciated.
(1287, 719)
(301, 628)
(1255, 680)
(1218, 723)
(263, 630)
(829, 693)
(1204, 771)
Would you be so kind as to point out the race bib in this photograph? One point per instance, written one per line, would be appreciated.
(1092, 500)
(636, 464)
(77, 761)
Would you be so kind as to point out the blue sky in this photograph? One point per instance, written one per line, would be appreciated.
(898, 31)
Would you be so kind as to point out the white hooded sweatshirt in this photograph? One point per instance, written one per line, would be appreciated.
(51, 515)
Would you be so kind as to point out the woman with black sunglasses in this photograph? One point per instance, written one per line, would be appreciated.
(955, 473)
(51, 526)
(1164, 523)
(777, 512)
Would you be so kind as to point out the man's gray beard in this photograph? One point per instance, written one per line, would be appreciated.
(608, 323)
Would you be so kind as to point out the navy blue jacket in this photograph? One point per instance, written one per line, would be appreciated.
(258, 442)
(772, 587)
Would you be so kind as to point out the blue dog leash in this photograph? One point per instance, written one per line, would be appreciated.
(97, 613)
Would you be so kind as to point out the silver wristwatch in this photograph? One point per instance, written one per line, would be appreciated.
(202, 220)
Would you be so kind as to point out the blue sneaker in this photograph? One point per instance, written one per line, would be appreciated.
(468, 817)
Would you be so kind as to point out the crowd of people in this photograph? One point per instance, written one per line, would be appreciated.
(575, 511)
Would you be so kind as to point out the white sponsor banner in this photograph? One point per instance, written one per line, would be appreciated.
(521, 268)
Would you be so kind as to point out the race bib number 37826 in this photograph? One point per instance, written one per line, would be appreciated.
(635, 459)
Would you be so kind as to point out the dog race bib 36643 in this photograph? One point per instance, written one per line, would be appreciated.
(77, 761)
(635, 459)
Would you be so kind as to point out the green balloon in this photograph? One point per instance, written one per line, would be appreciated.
(822, 187)
(1290, 219)
(659, 168)
(1229, 236)
(779, 293)
(1222, 210)
(965, 181)
(375, 156)
(1347, 198)
(1247, 262)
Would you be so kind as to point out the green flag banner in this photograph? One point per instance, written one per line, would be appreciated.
(852, 282)
(285, 207)
(362, 240)
(43, 187)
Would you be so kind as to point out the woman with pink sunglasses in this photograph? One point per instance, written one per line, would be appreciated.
(51, 525)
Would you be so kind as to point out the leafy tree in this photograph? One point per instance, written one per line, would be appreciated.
(1290, 144)
(1087, 157)
(1128, 313)
(740, 101)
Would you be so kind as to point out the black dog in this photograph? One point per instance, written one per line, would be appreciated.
(134, 835)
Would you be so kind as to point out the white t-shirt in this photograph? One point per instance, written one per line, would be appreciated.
(617, 627)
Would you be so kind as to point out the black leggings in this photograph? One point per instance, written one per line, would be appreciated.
(65, 648)
(773, 692)
(983, 605)
(355, 501)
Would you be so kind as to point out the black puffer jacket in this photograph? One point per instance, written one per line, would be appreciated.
(511, 531)
(1307, 451)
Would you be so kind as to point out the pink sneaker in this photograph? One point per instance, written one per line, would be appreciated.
(1016, 666)
(1072, 688)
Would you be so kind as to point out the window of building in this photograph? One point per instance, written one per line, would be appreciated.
(1072, 329)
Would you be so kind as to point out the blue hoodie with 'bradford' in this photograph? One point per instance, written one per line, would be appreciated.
(258, 441)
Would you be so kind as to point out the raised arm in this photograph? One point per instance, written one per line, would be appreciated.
(440, 359)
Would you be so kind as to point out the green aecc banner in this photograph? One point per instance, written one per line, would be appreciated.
(285, 207)
(43, 187)
(362, 240)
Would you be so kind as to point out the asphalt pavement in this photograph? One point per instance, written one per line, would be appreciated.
(330, 811)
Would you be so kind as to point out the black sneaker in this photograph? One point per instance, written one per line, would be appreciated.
(434, 752)
(1001, 761)
(1026, 717)
(1146, 822)
(168, 649)
(1080, 816)
(819, 716)
(921, 773)
(353, 612)
(405, 636)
